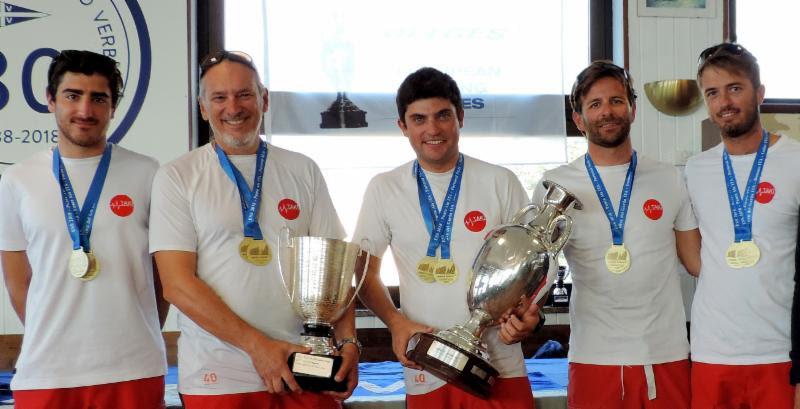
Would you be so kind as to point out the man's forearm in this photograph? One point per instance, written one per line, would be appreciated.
(17, 274)
(199, 302)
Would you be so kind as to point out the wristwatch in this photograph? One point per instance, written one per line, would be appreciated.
(349, 340)
(541, 322)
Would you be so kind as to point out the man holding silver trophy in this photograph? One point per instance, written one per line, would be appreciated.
(435, 212)
(217, 218)
(628, 342)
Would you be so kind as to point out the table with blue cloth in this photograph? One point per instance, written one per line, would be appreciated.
(381, 385)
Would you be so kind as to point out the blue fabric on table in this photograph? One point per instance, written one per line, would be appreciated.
(386, 378)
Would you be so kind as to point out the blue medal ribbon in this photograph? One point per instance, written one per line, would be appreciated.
(439, 222)
(742, 207)
(617, 221)
(79, 220)
(250, 199)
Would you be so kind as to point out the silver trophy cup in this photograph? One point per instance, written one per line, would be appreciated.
(516, 262)
(318, 275)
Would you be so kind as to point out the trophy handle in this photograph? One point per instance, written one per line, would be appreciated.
(284, 241)
(524, 211)
(363, 273)
(555, 246)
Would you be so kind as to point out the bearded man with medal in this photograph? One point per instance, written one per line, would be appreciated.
(628, 331)
(216, 219)
(746, 195)
(73, 240)
(434, 212)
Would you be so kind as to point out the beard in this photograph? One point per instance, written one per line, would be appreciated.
(237, 142)
(614, 140)
(737, 129)
(82, 139)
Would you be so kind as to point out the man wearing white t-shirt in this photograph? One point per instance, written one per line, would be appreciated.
(746, 193)
(211, 207)
(73, 241)
(628, 343)
(473, 196)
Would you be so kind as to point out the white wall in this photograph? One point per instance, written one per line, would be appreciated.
(662, 48)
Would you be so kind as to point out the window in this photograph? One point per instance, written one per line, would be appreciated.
(350, 159)
(767, 31)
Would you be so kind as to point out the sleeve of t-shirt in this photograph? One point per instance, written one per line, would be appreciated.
(371, 223)
(324, 219)
(171, 224)
(12, 237)
(685, 220)
(539, 191)
(517, 198)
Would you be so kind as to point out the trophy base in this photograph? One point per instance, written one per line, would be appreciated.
(452, 363)
(315, 372)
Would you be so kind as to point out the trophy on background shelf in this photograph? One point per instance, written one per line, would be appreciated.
(318, 275)
(516, 262)
(338, 59)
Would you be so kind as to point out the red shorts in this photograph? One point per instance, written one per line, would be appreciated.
(136, 394)
(763, 386)
(259, 400)
(626, 386)
(507, 393)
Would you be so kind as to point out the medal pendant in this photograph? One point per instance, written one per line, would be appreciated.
(94, 267)
(259, 253)
(618, 260)
(742, 254)
(425, 269)
(78, 264)
(445, 271)
(243, 246)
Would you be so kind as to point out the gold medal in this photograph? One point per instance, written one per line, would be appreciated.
(259, 253)
(742, 254)
(78, 264)
(445, 271)
(94, 268)
(243, 246)
(618, 260)
(425, 269)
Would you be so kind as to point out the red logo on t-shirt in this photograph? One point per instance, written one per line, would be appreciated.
(475, 221)
(122, 205)
(289, 209)
(765, 192)
(653, 209)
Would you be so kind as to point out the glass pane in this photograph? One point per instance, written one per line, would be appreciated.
(767, 31)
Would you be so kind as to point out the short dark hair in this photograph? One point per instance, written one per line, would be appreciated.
(425, 83)
(594, 72)
(87, 63)
(730, 57)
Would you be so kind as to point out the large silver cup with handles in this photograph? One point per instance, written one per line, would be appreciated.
(318, 275)
(517, 262)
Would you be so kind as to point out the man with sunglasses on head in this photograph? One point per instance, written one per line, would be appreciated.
(73, 242)
(628, 343)
(465, 198)
(745, 192)
(237, 325)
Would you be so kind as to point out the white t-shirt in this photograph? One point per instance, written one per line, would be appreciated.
(742, 316)
(637, 317)
(84, 333)
(390, 216)
(196, 208)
